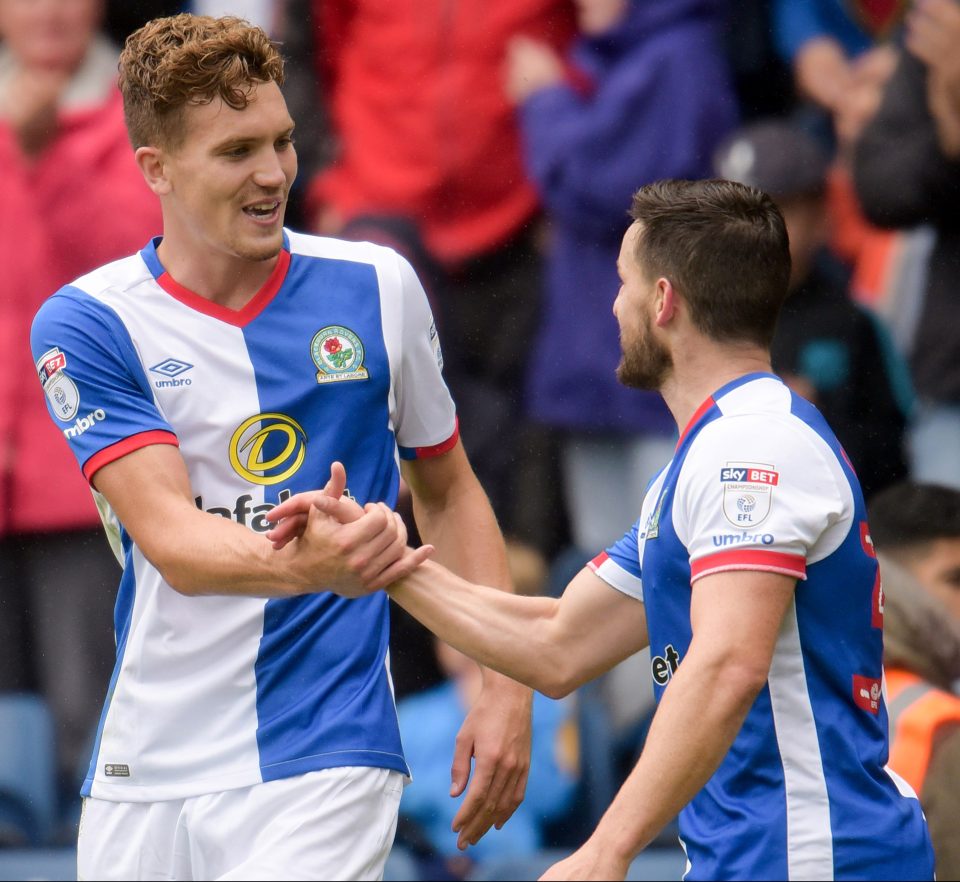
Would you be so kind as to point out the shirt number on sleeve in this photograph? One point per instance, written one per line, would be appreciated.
(876, 605)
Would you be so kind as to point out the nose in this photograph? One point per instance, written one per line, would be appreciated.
(270, 173)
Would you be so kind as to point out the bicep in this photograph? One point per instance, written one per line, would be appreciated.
(149, 491)
(737, 615)
(598, 625)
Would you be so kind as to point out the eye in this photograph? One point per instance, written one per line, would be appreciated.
(236, 152)
(284, 143)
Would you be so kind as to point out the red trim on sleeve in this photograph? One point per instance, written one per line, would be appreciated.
(749, 559)
(698, 413)
(127, 445)
(237, 317)
(443, 446)
(598, 561)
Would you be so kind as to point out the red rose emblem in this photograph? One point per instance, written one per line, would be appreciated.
(333, 345)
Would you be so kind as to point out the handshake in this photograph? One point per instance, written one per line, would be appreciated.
(334, 544)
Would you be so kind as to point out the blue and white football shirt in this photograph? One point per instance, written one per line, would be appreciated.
(336, 358)
(759, 482)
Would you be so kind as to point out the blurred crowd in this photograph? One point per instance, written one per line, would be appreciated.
(496, 144)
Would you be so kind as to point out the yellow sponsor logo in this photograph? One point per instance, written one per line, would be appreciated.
(268, 448)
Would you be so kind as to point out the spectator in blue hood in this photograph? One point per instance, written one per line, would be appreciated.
(645, 94)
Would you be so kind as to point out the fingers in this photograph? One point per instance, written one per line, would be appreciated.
(290, 529)
(345, 510)
(411, 559)
(511, 798)
(299, 504)
(478, 812)
(294, 514)
(495, 806)
(381, 550)
(460, 770)
(338, 480)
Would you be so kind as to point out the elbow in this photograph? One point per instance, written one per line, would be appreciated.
(558, 676)
(175, 574)
(178, 581)
(744, 679)
(557, 688)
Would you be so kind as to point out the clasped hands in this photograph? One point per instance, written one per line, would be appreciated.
(352, 550)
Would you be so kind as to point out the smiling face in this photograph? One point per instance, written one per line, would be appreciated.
(225, 184)
(645, 361)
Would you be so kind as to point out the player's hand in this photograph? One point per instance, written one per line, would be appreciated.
(354, 551)
(496, 735)
(291, 516)
(589, 862)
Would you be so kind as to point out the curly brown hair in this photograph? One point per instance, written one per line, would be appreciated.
(186, 59)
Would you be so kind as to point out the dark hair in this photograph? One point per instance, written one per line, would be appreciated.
(908, 514)
(724, 247)
(190, 59)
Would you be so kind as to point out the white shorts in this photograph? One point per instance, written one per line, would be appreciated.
(332, 824)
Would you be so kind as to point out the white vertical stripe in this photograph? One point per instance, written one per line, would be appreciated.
(809, 835)
(689, 866)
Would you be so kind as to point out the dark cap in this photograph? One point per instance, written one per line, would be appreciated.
(775, 156)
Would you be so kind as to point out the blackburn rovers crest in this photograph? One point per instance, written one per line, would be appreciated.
(338, 354)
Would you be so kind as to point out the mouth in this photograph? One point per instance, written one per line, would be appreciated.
(265, 212)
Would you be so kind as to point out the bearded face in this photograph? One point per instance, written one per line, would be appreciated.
(645, 362)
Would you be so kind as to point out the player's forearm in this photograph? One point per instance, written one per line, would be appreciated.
(508, 633)
(696, 722)
(206, 554)
(464, 531)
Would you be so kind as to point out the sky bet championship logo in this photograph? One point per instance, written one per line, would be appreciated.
(748, 492)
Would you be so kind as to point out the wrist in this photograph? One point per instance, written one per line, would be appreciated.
(495, 683)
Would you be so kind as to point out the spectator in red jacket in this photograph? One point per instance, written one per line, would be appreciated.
(71, 198)
(426, 133)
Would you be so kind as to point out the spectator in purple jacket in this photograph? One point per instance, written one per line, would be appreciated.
(645, 94)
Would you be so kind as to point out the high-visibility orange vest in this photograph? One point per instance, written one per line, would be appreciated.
(916, 710)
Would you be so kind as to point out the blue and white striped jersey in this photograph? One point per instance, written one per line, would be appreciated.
(336, 358)
(759, 482)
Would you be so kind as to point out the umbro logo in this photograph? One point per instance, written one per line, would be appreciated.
(172, 368)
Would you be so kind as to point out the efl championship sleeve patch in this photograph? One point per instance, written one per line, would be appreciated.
(748, 489)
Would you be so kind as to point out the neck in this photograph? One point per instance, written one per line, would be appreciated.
(216, 275)
(708, 367)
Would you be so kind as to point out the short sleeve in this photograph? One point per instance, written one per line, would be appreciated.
(426, 419)
(756, 493)
(96, 391)
(619, 565)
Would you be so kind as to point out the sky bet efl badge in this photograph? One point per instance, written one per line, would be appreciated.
(747, 492)
(338, 353)
(61, 391)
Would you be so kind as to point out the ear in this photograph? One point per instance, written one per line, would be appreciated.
(666, 302)
(153, 166)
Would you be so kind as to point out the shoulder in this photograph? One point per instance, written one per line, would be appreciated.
(90, 294)
(342, 249)
(766, 458)
(764, 418)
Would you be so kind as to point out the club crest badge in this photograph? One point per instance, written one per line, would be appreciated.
(748, 492)
(338, 354)
(61, 391)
